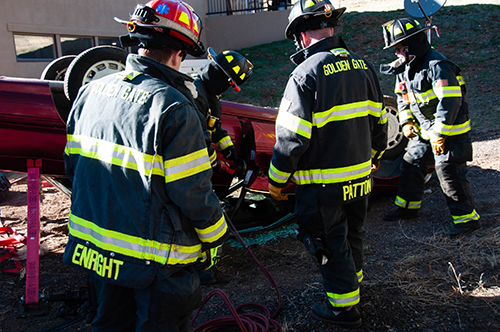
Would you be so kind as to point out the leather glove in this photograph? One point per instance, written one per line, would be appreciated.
(276, 193)
(437, 143)
(375, 164)
(211, 257)
(229, 153)
(410, 130)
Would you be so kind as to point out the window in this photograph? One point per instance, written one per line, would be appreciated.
(109, 41)
(75, 45)
(34, 47)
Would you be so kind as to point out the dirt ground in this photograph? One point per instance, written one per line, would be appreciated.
(416, 277)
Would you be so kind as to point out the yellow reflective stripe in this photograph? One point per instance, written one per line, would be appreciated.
(338, 51)
(344, 300)
(380, 153)
(132, 246)
(461, 80)
(294, 124)
(332, 175)
(383, 117)
(186, 166)
(424, 97)
(308, 3)
(347, 111)
(360, 275)
(466, 217)
(410, 205)
(224, 143)
(277, 175)
(213, 157)
(405, 116)
(214, 232)
(448, 91)
(452, 130)
(114, 154)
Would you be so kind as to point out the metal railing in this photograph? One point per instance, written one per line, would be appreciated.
(238, 7)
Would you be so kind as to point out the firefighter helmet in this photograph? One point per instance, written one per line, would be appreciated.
(165, 22)
(237, 68)
(395, 31)
(311, 14)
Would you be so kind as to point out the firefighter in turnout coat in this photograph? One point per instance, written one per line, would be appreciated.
(223, 70)
(143, 210)
(435, 118)
(331, 131)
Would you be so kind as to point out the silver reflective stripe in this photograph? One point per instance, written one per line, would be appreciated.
(277, 175)
(344, 300)
(466, 218)
(132, 246)
(332, 175)
(214, 232)
(347, 111)
(114, 154)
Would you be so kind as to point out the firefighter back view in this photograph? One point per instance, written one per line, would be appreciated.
(143, 210)
(331, 130)
(435, 118)
(222, 71)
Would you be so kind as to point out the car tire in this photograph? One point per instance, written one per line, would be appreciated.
(56, 70)
(396, 140)
(92, 64)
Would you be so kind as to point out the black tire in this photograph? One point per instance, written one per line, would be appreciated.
(396, 140)
(92, 64)
(56, 70)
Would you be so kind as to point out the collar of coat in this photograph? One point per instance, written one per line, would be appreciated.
(325, 44)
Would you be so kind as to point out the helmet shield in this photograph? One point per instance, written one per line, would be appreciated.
(396, 31)
(172, 18)
(310, 15)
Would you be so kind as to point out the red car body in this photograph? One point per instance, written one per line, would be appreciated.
(32, 126)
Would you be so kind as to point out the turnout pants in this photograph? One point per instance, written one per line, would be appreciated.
(165, 305)
(339, 230)
(451, 170)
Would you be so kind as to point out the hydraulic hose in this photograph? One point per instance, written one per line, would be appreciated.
(246, 322)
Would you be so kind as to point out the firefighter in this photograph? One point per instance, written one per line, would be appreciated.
(223, 70)
(435, 118)
(331, 131)
(143, 211)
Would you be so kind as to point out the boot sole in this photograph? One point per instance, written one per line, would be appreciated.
(465, 232)
(350, 325)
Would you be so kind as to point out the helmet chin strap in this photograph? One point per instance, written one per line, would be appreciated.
(406, 52)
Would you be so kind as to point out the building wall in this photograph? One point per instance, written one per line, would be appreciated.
(94, 18)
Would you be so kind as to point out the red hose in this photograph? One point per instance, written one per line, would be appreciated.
(246, 322)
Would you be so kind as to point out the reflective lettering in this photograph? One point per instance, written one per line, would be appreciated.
(93, 260)
(359, 64)
(352, 191)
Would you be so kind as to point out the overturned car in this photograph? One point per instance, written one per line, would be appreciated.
(32, 126)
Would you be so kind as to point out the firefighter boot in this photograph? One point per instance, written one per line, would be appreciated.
(400, 213)
(345, 317)
(464, 228)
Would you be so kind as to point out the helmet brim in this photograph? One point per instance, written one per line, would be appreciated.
(292, 27)
(406, 37)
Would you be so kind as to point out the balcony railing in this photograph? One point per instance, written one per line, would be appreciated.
(238, 7)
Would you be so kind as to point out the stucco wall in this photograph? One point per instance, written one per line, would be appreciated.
(63, 17)
(239, 31)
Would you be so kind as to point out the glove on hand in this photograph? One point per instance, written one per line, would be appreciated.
(229, 153)
(437, 143)
(276, 193)
(410, 130)
(211, 257)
